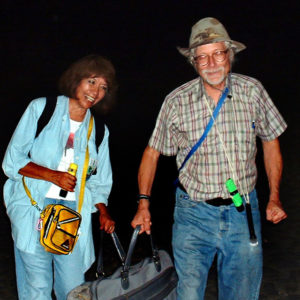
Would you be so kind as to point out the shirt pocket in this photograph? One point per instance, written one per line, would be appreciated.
(246, 141)
(92, 168)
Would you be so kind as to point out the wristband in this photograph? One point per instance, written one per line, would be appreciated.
(142, 196)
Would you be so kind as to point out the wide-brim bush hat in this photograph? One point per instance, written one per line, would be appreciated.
(206, 31)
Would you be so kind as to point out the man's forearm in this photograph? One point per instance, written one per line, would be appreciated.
(147, 170)
(273, 165)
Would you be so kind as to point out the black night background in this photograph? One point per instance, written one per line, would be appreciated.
(39, 39)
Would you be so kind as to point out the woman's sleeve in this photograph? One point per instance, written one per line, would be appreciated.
(16, 155)
(100, 184)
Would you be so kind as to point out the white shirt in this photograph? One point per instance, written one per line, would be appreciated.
(66, 160)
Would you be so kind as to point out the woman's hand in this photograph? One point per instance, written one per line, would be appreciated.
(64, 180)
(106, 222)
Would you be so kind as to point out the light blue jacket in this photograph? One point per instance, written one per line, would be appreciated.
(47, 150)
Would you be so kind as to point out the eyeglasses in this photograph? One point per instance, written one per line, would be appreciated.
(218, 56)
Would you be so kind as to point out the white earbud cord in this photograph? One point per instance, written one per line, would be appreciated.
(234, 174)
(242, 186)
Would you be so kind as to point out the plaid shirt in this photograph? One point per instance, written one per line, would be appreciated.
(183, 118)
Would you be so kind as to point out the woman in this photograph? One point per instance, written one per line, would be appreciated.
(44, 161)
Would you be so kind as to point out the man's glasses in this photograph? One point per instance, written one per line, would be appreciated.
(218, 56)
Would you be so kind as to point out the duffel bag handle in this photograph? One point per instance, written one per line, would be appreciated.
(126, 266)
(100, 270)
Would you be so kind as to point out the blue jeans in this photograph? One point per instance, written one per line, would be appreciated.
(200, 232)
(35, 272)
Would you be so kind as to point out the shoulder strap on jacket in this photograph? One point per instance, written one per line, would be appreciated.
(46, 114)
(99, 126)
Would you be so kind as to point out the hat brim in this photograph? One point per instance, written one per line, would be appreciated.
(236, 46)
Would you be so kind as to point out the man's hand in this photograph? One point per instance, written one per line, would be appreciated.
(274, 212)
(143, 218)
(146, 176)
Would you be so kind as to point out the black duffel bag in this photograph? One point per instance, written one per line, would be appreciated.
(153, 278)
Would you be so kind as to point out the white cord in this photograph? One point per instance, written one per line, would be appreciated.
(234, 174)
(242, 186)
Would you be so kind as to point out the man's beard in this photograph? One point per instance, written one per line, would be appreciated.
(214, 82)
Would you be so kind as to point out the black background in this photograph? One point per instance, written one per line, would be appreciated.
(39, 39)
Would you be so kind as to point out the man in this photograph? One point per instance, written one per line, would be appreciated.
(206, 222)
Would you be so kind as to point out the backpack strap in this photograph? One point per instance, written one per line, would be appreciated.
(100, 128)
(46, 114)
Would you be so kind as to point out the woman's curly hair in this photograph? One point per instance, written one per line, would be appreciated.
(90, 66)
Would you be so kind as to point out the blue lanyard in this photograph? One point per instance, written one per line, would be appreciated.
(207, 129)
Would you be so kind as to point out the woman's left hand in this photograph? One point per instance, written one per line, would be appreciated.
(106, 223)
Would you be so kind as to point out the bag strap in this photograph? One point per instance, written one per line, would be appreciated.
(127, 263)
(33, 202)
(100, 129)
(83, 179)
(207, 129)
(85, 166)
(46, 114)
(100, 270)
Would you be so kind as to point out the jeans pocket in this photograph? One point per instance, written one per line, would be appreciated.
(183, 200)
